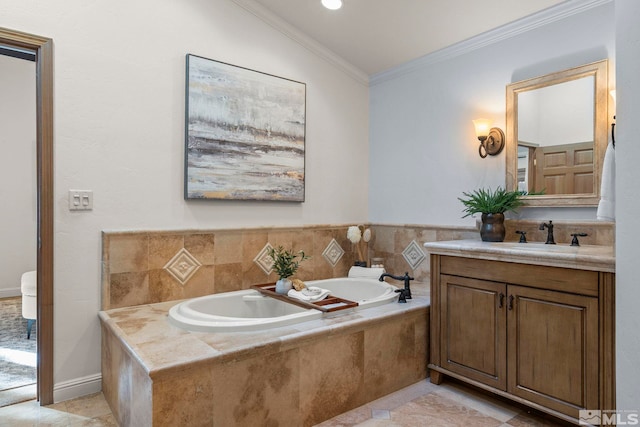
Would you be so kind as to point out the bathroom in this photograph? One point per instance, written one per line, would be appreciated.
(378, 149)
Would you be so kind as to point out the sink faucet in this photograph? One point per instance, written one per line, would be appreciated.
(404, 293)
(549, 226)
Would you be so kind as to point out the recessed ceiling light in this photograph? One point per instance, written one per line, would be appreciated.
(332, 4)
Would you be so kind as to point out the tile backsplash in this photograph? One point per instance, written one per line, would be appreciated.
(598, 232)
(142, 267)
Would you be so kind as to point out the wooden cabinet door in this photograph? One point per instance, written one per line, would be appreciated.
(553, 348)
(473, 329)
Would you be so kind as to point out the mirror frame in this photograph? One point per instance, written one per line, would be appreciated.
(600, 132)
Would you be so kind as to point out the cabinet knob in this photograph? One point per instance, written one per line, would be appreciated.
(501, 300)
(511, 298)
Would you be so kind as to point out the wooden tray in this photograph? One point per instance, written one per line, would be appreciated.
(326, 305)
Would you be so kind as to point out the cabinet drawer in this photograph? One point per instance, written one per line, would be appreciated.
(581, 282)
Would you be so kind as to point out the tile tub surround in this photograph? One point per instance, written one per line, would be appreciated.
(135, 262)
(299, 375)
(137, 265)
(143, 267)
(393, 243)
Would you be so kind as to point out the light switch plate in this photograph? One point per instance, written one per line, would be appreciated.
(80, 200)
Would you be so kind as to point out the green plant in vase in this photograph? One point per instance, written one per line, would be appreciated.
(285, 263)
(492, 204)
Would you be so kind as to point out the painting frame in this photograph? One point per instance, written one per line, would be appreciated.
(245, 134)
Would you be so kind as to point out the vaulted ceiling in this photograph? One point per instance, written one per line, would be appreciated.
(376, 35)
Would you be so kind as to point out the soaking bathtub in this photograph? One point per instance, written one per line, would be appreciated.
(249, 310)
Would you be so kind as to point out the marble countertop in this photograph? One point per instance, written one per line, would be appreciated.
(585, 257)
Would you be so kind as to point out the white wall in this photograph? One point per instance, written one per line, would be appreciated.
(627, 204)
(17, 172)
(119, 131)
(422, 136)
(424, 152)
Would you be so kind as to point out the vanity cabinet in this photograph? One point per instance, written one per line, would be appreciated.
(540, 335)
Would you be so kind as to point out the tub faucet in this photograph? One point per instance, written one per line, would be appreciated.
(549, 226)
(404, 293)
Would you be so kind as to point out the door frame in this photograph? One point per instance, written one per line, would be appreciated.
(43, 48)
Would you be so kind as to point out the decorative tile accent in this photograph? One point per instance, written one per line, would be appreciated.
(264, 261)
(333, 252)
(182, 266)
(413, 254)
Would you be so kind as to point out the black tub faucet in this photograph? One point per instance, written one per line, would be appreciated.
(404, 293)
(549, 226)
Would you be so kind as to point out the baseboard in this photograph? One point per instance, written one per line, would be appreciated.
(10, 292)
(77, 387)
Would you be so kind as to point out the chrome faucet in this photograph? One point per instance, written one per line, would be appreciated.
(405, 293)
(549, 226)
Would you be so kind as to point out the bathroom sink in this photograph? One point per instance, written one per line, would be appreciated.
(541, 247)
(558, 249)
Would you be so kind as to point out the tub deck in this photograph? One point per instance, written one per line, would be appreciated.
(157, 374)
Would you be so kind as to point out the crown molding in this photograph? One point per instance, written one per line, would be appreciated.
(528, 23)
(302, 39)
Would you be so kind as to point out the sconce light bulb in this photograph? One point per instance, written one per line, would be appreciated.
(332, 4)
(483, 126)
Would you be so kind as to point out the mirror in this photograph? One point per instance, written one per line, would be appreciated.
(557, 135)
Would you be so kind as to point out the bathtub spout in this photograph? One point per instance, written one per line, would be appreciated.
(406, 292)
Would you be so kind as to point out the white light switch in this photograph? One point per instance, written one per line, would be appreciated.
(80, 200)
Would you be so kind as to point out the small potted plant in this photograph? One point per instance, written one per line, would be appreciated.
(285, 263)
(492, 204)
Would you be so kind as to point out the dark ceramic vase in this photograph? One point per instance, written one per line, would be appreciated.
(492, 229)
(360, 263)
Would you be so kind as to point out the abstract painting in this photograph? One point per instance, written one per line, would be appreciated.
(245, 134)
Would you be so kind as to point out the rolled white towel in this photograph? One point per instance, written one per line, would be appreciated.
(607, 206)
(309, 294)
(365, 273)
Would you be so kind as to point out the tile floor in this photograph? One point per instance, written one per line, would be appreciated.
(421, 404)
(447, 405)
(89, 410)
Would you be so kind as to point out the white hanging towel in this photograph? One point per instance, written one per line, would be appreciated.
(607, 205)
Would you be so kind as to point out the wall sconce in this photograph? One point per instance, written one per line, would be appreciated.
(491, 139)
